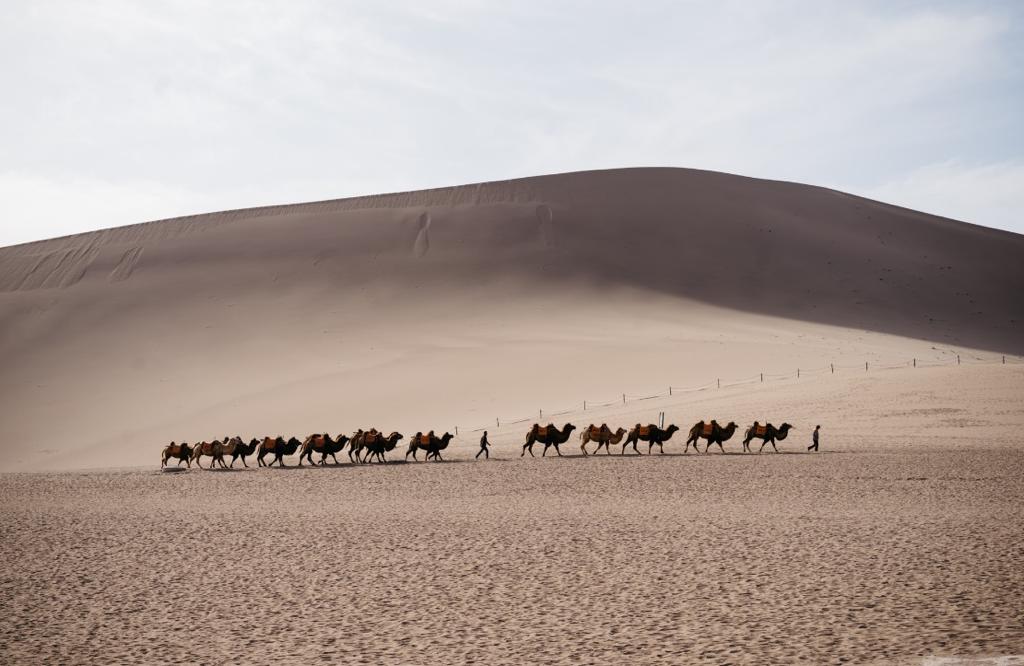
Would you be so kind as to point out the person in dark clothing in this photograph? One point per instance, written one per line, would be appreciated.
(814, 438)
(483, 447)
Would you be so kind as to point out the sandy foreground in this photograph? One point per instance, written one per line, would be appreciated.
(901, 540)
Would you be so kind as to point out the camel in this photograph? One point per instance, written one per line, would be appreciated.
(429, 443)
(713, 432)
(236, 448)
(183, 452)
(767, 434)
(359, 441)
(214, 449)
(381, 445)
(547, 435)
(651, 434)
(324, 445)
(279, 448)
(603, 436)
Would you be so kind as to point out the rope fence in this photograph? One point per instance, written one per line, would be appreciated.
(830, 369)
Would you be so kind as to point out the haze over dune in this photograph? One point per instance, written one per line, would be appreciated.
(427, 309)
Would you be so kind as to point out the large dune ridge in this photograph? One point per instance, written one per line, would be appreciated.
(462, 305)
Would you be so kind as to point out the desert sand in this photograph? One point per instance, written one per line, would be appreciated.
(901, 539)
(572, 298)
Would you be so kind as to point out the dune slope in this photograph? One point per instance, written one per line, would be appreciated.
(427, 309)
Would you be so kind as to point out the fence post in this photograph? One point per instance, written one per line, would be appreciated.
(623, 398)
(497, 422)
(958, 359)
(762, 378)
(798, 373)
(833, 366)
(1004, 359)
(915, 362)
(865, 366)
(719, 383)
(584, 405)
(456, 431)
(670, 388)
(540, 413)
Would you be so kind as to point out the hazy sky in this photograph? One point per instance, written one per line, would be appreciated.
(119, 112)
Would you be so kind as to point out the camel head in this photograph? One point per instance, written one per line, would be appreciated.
(671, 428)
(620, 431)
(787, 426)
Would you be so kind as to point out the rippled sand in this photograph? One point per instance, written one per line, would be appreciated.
(756, 559)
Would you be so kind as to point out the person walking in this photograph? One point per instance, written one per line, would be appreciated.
(483, 447)
(814, 438)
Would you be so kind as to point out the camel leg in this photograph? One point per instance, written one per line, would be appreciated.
(557, 451)
(661, 447)
(545, 450)
(583, 448)
(636, 449)
(650, 446)
(762, 446)
(773, 446)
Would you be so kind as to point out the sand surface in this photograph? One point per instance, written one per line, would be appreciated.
(902, 539)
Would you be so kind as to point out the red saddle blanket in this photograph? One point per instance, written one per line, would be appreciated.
(542, 431)
(425, 440)
(761, 430)
(370, 437)
(595, 432)
(645, 431)
(708, 429)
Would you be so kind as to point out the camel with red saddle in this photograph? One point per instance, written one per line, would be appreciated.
(547, 435)
(767, 433)
(279, 447)
(378, 445)
(324, 445)
(429, 443)
(712, 432)
(183, 452)
(603, 436)
(651, 434)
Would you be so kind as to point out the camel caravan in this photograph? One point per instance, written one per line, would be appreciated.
(368, 446)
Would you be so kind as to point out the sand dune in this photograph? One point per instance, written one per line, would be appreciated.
(455, 306)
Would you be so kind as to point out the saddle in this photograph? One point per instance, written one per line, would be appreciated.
(424, 440)
(645, 431)
(761, 430)
(542, 431)
(595, 432)
(709, 428)
(370, 437)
